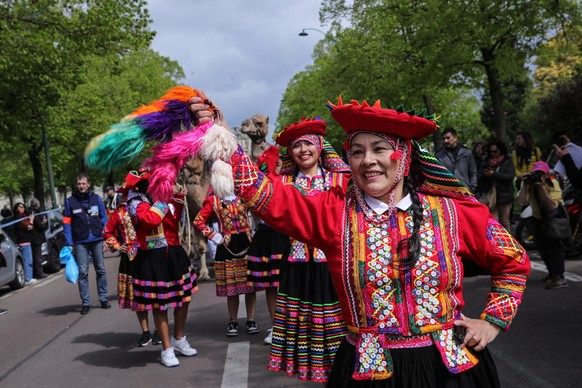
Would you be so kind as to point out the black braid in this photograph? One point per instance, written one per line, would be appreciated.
(411, 245)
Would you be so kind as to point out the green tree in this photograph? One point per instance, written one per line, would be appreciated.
(553, 105)
(44, 45)
(478, 44)
(109, 89)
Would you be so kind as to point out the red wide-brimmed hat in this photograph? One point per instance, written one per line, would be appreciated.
(356, 117)
(133, 178)
(314, 126)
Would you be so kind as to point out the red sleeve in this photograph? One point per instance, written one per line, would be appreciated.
(314, 219)
(488, 244)
(151, 216)
(110, 232)
(204, 215)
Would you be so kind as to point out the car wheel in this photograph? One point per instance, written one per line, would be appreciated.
(18, 282)
(53, 260)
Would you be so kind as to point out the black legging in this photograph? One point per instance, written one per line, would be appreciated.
(550, 250)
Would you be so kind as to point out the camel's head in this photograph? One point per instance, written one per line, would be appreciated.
(256, 127)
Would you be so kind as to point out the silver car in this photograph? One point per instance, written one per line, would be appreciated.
(55, 241)
(12, 273)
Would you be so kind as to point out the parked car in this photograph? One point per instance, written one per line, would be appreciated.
(13, 273)
(55, 241)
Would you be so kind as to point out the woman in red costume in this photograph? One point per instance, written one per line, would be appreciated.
(395, 245)
(308, 326)
(119, 236)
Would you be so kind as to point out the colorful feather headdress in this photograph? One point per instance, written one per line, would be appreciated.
(170, 122)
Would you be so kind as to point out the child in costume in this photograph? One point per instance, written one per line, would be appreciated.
(119, 236)
(161, 273)
(395, 244)
(230, 260)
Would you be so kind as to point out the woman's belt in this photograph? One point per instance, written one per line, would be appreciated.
(374, 361)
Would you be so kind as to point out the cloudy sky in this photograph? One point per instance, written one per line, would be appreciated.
(242, 53)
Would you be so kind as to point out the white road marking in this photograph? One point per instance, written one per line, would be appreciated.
(44, 282)
(236, 367)
(567, 275)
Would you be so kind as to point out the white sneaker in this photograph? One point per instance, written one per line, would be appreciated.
(183, 346)
(169, 358)
(269, 338)
(31, 281)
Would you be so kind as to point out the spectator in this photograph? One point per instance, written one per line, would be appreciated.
(544, 195)
(6, 212)
(497, 175)
(524, 155)
(38, 237)
(6, 218)
(111, 199)
(23, 237)
(83, 222)
(570, 163)
(458, 159)
(479, 153)
(3, 263)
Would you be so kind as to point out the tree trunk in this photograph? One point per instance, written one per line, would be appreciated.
(35, 161)
(495, 94)
(436, 135)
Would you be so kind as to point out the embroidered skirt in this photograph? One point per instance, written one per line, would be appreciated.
(308, 326)
(124, 287)
(230, 268)
(162, 278)
(415, 367)
(267, 250)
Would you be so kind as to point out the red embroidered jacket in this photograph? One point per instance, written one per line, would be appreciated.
(232, 217)
(383, 306)
(157, 224)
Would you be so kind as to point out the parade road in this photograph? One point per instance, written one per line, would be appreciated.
(47, 343)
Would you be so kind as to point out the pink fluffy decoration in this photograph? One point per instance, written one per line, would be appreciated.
(169, 158)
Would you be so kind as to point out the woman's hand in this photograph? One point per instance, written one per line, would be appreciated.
(179, 189)
(206, 110)
(123, 248)
(201, 110)
(488, 172)
(560, 151)
(479, 333)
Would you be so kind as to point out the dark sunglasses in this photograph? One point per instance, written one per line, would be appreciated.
(493, 151)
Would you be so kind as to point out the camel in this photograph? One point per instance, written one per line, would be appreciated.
(196, 176)
(257, 128)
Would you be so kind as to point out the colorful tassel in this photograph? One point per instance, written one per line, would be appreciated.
(168, 158)
(104, 152)
(158, 121)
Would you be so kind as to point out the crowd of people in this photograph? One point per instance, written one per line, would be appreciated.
(361, 259)
(504, 180)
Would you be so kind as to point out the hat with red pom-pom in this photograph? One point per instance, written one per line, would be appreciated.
(133, 178)
(356, 117)
(314, 126)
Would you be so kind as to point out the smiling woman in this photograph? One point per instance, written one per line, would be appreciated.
(395, 244)
(308, 326)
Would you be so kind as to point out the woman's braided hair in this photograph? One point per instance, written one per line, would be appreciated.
(409, 248)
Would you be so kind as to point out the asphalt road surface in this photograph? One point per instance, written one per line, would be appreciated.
(47, 343)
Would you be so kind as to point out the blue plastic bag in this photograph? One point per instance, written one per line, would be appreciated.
(71, 268)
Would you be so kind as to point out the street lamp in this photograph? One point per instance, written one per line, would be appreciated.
(303, 33)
